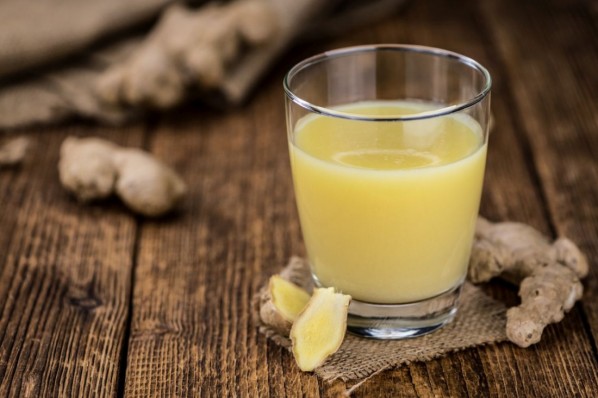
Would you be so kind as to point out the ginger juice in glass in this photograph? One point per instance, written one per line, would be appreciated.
(388, 147)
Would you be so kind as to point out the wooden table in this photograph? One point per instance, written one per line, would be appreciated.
(97, 302)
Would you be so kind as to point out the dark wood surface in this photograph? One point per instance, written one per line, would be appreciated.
(97, 302)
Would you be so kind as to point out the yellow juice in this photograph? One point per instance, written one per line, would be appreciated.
(388, 209)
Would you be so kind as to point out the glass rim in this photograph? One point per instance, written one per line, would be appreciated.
(445, 110)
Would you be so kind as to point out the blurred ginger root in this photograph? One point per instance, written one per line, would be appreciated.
(93, 168)
(188, 48)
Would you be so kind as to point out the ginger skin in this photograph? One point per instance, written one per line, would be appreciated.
(188, 48)
(549, 274)
(92, 168)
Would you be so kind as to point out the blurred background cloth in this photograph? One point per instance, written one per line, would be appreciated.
(35, 32)
(52, 52)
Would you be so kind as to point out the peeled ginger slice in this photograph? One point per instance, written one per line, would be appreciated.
(319, 330)
(288, 298)
(281, 303)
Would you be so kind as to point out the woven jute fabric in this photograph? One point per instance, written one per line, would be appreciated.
(480, 320)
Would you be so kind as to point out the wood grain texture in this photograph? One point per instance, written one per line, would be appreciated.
(196, 273)
(512, 192)
(240, 225)
(67, 271)
(64, 280)
(551, 70)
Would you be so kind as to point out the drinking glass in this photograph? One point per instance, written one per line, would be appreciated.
(388, 148)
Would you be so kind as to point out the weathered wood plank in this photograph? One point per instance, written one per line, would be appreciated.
(512, 192)
(551, 70)
(64, 279)
(65, 270)
(195, 274)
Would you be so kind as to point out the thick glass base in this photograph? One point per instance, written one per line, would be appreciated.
(400, 321)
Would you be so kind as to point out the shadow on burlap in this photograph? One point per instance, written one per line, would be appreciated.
(481, 320)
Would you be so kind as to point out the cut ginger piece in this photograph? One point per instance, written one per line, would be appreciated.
(319, 330)
(281, 303)
(287, 297)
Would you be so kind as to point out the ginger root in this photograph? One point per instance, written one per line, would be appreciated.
(92, 168)
(188, 48)
(549, 274)
(319, 330)
(281, 303)
(14, 151)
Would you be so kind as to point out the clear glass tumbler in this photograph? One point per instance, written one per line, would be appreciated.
(388, 149)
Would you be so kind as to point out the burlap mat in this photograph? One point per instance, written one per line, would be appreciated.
(481, 320)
